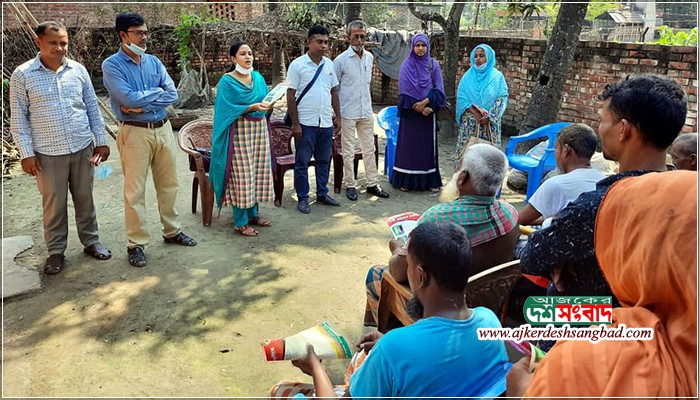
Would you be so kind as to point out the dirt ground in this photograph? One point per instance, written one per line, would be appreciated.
(104, 328)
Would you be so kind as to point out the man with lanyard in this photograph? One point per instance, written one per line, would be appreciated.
(353, 68)
(311, 114)
(140, 89)
(55, 118)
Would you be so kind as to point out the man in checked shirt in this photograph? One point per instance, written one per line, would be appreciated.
(58, 128)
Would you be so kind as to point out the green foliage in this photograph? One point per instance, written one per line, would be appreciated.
(302, 16)
(669, 37)
(187, 24)
(597, 7)
(376, 13)
(524, 9)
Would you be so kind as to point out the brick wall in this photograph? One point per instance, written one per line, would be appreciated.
(85, 14)
(595, 65)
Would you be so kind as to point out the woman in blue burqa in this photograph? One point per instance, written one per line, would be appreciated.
(482, 97)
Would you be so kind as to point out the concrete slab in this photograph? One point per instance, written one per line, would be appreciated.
(16, 279)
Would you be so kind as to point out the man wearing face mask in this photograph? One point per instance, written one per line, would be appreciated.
(140, 89)
(353, 68)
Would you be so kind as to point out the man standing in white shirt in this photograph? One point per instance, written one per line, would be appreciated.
(353, 68)
(313, 125)
(573, 150)
(58, 128)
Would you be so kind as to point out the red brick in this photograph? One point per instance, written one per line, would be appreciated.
(690, 58)
(629, 61)
(679, 65)
(648, 62)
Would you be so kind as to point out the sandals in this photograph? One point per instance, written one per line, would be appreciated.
(180, 239)
(98, 251)
(137, 257)
(246, 230)
(54, 264)
(260, 221)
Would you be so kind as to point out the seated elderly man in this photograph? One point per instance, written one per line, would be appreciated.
(573, 150)
(684, 152)
(469, 200)
(438, 356)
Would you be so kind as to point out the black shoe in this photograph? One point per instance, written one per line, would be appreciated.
(137, 257)
(328, 200)
(377, 191)
(303, 206)
(351, 192)
(181, 239)
(54, 264)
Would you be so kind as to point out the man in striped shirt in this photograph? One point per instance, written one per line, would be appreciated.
(58, 128)
(469, 200)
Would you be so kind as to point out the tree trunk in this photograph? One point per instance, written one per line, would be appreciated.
(354, 12)
(476, 14)
(452, 56)
(279, 73)
(557, 61)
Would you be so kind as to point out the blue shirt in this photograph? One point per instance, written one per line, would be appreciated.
(435, 357)
(146, 85)
(54, 112)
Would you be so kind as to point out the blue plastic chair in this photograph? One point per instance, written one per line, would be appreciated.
(536, 168)
(388, 119)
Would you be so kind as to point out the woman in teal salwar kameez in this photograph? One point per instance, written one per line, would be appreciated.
(240, 170)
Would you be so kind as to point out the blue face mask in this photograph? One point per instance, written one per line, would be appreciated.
(139, 51)
(480, 67)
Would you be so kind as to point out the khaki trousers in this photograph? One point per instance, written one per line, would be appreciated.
(141, 149)
(58, 175)
(365, 134)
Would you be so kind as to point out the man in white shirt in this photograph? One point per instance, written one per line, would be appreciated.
(573, 150)
(313, 125)
(58, 128)
(353, 68)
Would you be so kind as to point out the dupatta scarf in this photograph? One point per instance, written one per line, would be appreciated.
(481, 86)
(232, 99)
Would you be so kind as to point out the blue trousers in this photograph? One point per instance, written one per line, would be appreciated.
(241, 216)
(314, 142)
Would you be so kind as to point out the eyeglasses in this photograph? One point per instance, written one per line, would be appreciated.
(359, 37)
(140, 33)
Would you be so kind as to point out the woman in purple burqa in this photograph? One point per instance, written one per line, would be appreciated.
(416, 162)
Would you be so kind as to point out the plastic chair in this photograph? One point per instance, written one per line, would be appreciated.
(388, 119)
(490, 289)
(535, 168)
(337, 156)
(282, 154)
(199, 134)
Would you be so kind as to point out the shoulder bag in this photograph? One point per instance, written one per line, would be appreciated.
(287, 118)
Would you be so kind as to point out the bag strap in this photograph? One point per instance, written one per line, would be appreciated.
(432, 78)
(313, 80)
